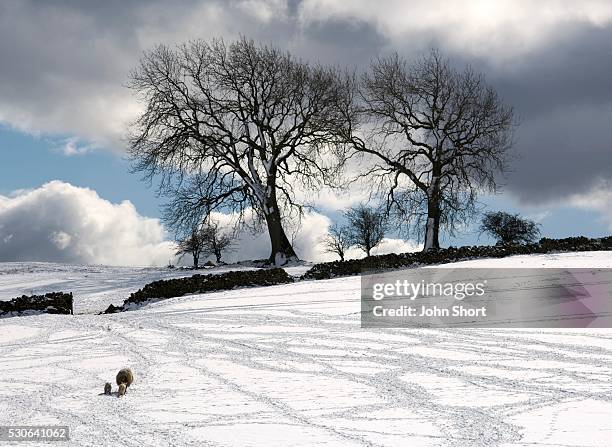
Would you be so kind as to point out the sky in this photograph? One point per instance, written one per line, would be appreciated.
(64, 109)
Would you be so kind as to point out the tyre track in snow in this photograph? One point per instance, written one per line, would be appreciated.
(411, 398)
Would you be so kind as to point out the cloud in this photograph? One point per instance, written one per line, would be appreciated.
(72, 146)
(74, 83)
(63, 223)
(550, 59)
(66, 63)
(560, 153)
(265, 10)
(501, 29)
(396, 246)
(598, 199)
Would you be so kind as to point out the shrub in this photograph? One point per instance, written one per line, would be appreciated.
(509, 229)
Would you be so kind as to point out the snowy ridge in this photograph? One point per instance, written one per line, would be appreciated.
(94, 286)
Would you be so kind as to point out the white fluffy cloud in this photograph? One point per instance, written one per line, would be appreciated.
(64, 223)
(396, 246)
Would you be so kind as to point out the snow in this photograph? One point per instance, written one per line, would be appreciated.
(95, 286)
(289, 365)
(594, 259)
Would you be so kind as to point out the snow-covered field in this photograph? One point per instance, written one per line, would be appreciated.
(290, 366)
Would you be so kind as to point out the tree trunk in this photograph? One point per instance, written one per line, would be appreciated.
(195, 261)
(432, 229)
(282, 251)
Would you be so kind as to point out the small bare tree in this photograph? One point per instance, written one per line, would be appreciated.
(337, 240)
(238, 126)
(366, 227)
(216, 240)
(193, 244)
(437, 137)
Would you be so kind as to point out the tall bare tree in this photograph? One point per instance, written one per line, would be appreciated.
(238, 126)
(437, 136)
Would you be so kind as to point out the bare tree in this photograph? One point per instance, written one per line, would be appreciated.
(437, 137)
(366, 227)
(337, 240)
(238, 126)
(509, 228)
(216, 240)
(193, 244)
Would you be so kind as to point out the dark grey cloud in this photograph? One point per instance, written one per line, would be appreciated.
(64, 64)
(567, 151)
(576, 70)
(563, 96)
(342, 42)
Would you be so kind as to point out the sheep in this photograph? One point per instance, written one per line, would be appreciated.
(125, 377)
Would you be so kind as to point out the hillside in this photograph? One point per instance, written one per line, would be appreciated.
(290, 366)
